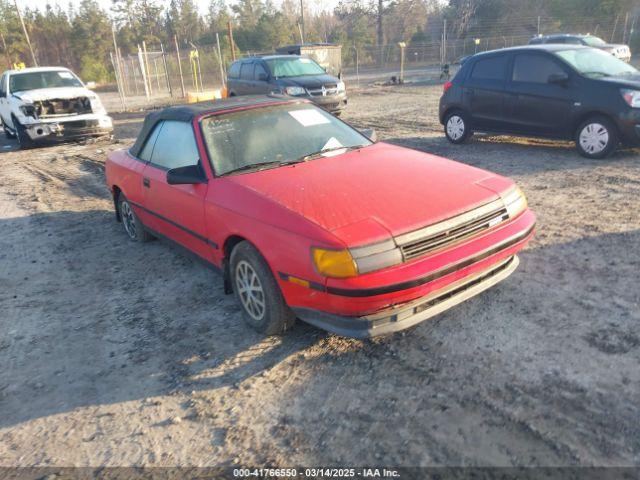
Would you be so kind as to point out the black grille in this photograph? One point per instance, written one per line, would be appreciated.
(455, 234)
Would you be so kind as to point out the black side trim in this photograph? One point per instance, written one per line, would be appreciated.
(312, 285)
(177, 225)
(369, 292)
(185, 251)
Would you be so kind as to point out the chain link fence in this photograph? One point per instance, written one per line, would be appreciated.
(166, 74)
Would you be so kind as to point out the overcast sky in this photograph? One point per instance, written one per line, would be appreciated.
(315, 5)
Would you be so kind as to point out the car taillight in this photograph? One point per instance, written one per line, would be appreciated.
(447, 86)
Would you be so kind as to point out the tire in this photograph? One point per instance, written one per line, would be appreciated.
(7, 133)
(24, 141)
(457, 127)
(255, 288)
(597, 137)
(133, 227)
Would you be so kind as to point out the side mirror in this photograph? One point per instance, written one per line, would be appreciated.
(189, 175)
(371, 134)
(263, 77)
(558, 78)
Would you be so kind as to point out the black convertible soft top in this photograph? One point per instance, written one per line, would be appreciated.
(186, 113)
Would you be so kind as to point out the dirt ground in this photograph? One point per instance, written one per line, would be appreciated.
(116, 353)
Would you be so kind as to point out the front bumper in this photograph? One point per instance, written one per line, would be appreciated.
(66, 129)
(404, 316)
(331, 103)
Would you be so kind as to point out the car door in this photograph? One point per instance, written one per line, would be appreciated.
(484, 92)
(537, 106)
(177, 210)
(245, 83)
(131, 178)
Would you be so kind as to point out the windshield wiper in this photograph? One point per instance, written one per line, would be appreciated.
(262, 166)
(319, 154)
(596, 73)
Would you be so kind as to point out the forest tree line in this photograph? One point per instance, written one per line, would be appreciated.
(80, 35)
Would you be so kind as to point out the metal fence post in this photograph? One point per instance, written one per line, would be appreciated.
(144, 74)
(166, 69)
(175, 38)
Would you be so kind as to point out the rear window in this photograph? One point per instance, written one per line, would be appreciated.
(493, 68)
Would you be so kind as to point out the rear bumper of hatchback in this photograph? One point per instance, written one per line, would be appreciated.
(404, 316)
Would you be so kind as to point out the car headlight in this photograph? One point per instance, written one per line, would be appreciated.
(632, 97)
(515, 201)
(28, 110)
(341, 87)
(295, 91)
(96, 105)
(358, 260)
(334, 263)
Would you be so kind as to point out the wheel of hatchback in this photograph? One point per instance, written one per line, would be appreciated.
(255, 288)
(597, 137)
(457, 127)
(132, 225)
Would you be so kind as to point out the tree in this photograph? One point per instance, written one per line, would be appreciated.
(91, 40)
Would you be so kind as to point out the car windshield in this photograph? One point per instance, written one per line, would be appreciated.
(21, 82)
(293, 67)
(269, 137)
(595, 63)
(594, 41)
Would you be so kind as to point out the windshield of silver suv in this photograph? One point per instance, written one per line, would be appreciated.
(595, 63)
(22, 82)
(293, 67)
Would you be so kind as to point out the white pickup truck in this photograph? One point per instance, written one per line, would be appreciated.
(49, 103)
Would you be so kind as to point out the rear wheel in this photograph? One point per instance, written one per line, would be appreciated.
(255, 288)
(132, 225)
(597, 137)
(457, 127)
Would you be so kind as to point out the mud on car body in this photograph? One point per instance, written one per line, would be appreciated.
(49, 103)
(308, 218)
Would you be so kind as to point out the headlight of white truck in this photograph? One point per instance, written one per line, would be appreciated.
(96, 105)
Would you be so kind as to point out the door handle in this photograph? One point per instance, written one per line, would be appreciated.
(146, 182)
(468, 91)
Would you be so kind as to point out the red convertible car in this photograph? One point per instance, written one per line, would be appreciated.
(308, 218)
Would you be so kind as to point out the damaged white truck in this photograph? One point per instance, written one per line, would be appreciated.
(49, 103)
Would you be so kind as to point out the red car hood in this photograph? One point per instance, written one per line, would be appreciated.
(368, 194)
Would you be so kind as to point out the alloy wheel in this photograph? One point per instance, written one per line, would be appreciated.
(250, 290)
(594, 138)
(128, 220)
(455, 127)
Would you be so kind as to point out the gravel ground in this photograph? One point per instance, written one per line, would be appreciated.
(115, 353)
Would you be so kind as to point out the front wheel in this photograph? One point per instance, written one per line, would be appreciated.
(457, 127)
(24, 140)
(255, 288)
(596, 138)
(7, 132)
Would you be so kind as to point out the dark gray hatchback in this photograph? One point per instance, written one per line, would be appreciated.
(292, 75)
(553, 91)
